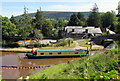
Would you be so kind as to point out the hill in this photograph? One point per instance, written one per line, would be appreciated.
(57, 14)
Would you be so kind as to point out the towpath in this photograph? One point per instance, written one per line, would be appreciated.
(81, 47)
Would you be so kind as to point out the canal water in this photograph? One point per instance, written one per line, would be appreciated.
(17, 59)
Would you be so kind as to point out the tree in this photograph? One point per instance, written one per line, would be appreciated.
(62, 23)
(38, 35)
(118, 28)
(74, 21)
(8, 28)
(12, 19)
(24, 26)
(81, 18)
(39, 19)
(48, 28)
(94, 17)
(77, 20)
(108, 20)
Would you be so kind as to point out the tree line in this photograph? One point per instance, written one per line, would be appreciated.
(39, 26)
(97, 19)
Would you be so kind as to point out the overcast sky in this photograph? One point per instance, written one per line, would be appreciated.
(16, 7)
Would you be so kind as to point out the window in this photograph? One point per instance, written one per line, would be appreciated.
(50, 53)
(59, 53)
(42, 53)
(73, 30)
(86, 30)
(76, 52)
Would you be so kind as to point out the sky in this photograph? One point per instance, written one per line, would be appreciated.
(16, 7)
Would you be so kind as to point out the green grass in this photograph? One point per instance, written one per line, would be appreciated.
(82, 42)
(84, 68)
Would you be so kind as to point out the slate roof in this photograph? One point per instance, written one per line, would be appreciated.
(80, 29)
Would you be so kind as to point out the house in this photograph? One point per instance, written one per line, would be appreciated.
(77, 32)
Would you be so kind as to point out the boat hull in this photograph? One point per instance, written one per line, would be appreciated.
(31, 56)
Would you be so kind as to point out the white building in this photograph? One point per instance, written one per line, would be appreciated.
(83, 32)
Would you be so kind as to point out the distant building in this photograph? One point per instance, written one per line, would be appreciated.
(83, 32)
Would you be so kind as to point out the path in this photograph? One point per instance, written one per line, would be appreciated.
(81, 47)
(101, 48)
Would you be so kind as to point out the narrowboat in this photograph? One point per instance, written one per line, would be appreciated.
(57, 53)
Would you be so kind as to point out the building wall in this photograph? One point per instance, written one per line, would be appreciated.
(81, 32)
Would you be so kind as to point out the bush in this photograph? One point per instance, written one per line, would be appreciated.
(36, 44)
(10, 44)
(65, 42)
(69, 41)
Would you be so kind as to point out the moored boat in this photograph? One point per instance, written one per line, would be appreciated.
(57, 53)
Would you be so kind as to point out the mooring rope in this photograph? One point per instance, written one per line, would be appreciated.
(26, 67)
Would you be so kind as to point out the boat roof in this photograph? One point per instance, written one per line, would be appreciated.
(61, 50)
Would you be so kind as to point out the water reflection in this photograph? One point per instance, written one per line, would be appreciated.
(17, 59)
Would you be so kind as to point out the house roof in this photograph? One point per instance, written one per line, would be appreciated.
(80, 29)
(111, 32)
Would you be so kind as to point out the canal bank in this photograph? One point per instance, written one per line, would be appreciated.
(92, 67)
(19, 50)
(16, 66)
(28, 50)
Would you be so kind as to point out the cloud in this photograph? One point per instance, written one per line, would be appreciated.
(71, 7)
(107, 5)
(103, 6)
(16, 8)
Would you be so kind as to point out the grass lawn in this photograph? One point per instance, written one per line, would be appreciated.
(82, 42)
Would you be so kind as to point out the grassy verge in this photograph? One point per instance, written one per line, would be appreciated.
(99, 66)
(82, 42)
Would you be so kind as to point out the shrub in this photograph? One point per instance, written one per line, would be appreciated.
(10, 44)
(69, 41)
(36, 44)
(65, 42)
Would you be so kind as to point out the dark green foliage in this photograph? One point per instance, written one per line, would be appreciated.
(56, 14)
(36, 44)
(8, 28)
(48, 28)
(10, 45)
(94, 18)
(118, 28)
(64, 42)
(24, 26)
(69, 41)
(77, 20)
(119, 19)
(108, 19)
(62, 22)
(74, 21)
(39, 20)
(12, 19)
(37, 34)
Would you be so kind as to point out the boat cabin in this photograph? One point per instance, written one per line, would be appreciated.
(60, 52)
